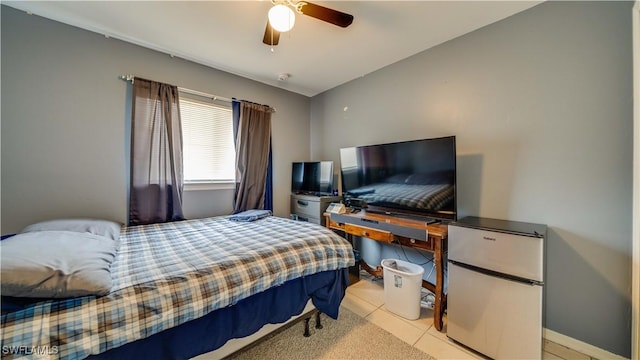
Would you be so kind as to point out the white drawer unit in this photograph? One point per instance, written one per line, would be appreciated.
(311, 208)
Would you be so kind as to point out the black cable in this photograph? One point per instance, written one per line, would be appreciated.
(416, 250)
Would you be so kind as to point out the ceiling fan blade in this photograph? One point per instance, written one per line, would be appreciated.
(271, 35)
(334, 17)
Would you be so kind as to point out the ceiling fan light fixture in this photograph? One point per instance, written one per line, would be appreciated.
(282, 18)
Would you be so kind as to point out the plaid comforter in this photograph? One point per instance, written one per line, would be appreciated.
(168, 274)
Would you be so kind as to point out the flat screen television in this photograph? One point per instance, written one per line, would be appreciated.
(312, 177)
(412, 178)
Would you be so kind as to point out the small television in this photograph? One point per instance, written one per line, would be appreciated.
(411, 178)
(312, 177)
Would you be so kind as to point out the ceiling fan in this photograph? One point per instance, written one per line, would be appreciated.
(282, 18)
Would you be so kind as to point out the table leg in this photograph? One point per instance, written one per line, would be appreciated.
(375, 272)
(440, 303)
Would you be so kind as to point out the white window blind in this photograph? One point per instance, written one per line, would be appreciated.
(208, 147)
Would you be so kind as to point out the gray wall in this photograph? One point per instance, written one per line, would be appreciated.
(541, 104)
(64, 128)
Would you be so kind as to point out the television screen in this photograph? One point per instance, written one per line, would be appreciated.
(312, 177)
(412, 177)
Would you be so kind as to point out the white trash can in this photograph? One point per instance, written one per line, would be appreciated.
(402, 287)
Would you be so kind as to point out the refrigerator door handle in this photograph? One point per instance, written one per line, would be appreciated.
(497, 274)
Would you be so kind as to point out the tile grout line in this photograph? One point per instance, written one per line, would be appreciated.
(408, 322)
(380, 307)
(377, 307)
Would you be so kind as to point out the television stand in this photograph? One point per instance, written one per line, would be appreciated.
(403, 231)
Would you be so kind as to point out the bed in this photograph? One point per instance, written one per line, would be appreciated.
(185, 288)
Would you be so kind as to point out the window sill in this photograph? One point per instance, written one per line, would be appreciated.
(198, 186)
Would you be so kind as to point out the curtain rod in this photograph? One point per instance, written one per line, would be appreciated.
(130, 77)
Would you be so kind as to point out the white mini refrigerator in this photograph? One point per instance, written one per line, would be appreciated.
(496, 278)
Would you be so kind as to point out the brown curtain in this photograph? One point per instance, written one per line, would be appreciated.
(253, 140)
(155, 193)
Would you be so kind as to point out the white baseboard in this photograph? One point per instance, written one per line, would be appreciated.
(579, 346)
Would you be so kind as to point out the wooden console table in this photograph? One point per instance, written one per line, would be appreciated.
(407, 232)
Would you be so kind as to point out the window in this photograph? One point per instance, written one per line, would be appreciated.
(209, 153)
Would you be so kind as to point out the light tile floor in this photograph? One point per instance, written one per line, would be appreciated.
(366, 298)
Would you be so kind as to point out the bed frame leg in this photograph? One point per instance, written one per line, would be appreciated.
(318, 323)
(307, 333)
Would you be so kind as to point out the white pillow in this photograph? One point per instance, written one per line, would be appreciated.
(56, 264)
(106, 228)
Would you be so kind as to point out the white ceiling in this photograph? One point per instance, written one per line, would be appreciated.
(227, 35)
